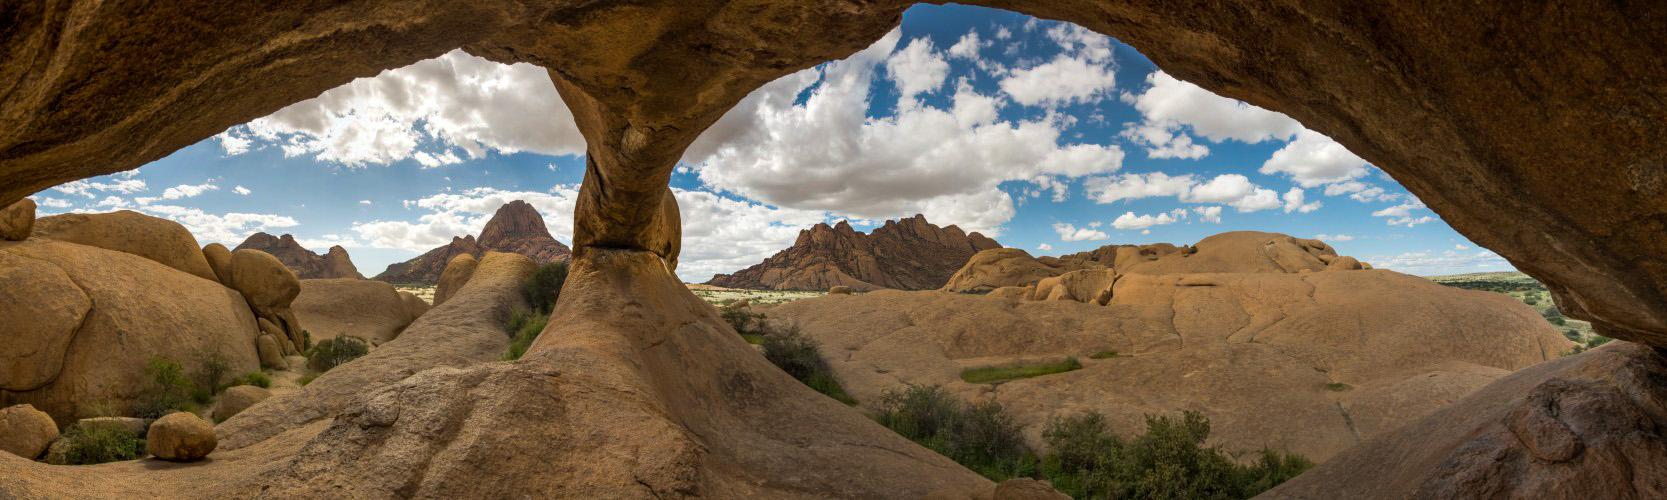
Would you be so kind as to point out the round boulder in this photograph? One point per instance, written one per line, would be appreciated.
(266, 346)
(370, 310)
(25, 431)
(839, 290)
(237, 399)
(154, 238)
(40, 310)
(220, 260)
(18, 220)
(457, 274)
(180, 437)
(263, 280)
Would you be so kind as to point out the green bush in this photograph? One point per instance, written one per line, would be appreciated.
(1168, 461)
(171, 390)
(981, 437)
(1337, 387)
(256, 379)
(101, 443)
(1004, 373)
(524, 329)
(339, 351)
(799, 356)
(213, 370)
(744, 321)
(1557, 320)
(544, 286)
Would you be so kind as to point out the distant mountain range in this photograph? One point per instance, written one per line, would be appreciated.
(516, 228)
(910, 254)
(335, 263)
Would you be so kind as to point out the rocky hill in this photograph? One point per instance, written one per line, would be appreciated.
(335, 263)
(515, 228)
(911, 254)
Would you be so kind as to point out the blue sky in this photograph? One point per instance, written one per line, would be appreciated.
(1040, 134)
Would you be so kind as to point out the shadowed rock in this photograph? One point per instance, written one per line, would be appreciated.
(910, 254)
(335, 263)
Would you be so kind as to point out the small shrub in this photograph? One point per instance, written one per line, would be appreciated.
(1596, 341)
(306, 379)
(256, 379)
(213, 370)
(543, 287)
(1104, 355)
(101, 443)
(1337, 387)
(1557, 320)
(981, 437)
(339, 351)
(1168, 461)
(1571, 335)
(306, 340)
(800, 356)
(744, 321)
(1530, 301)
(1004, 373)
(170, 389)
(526, 326)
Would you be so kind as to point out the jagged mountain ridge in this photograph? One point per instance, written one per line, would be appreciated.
(516, 227)
(335, 263)
(909, 254)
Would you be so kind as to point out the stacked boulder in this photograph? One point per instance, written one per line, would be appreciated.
(86, 300)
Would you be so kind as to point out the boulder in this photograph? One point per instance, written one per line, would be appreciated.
(137, 426)
(180, 437)
(456, 275)
(41, 308)
(238, 398)
(839, 290)
(25, 431)
(220, 260)
(261, 278)
(1344, 263)
(1254, 351)
(1013, 292)
(1091, 286)
(157, 239)
(271, 356)
(370, 310)
(999, 267)
(17, 220)
(414, 306)
(139, 309)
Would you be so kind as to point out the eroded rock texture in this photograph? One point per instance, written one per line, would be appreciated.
(910, 254)
(335, 263)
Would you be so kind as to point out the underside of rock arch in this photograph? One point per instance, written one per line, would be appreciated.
(1533, 130)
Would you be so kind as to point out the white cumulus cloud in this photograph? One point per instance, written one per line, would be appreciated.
(1068, 232)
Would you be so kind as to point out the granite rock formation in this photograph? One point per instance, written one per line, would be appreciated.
(1559, 173)
(366, 309)
(909, 254)
(515, 228)
(335, 263)
(1252, 351)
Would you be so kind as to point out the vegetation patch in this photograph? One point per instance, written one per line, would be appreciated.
(979, 436)
(327, 356)
(306, 379)
(1337, 387)
(988, 374)
(800, 356)
(170, 390)
(1168, 461)
(544, 285)
(753, 339)
(524, 328)
(97, 443)
(256, 379)
(1104, 355)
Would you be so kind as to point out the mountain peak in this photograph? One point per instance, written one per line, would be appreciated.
(515, 228)
(516, 219)
(909, 254)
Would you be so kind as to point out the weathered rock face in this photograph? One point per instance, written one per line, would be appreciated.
(999, 267)
(515, 228)
(910, 254)
(1253, 351)
(104, 314)
(25, 431)
(270, 288)
(180, 437)
(1582, 426)
(369, 310)
(456, 275)
(17, 221)
(307, 265)
(239, 398)
(157, 239)
(1230, 252)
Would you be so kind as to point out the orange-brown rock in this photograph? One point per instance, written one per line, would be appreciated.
(157, 239)
(134, 308)
(1583, 426)
(335, 263)
(369, 310)
(910, 254)
(180, 437)
(515, 228)
(17, 221)
(999, 267)
(1253, 351)
(220, 261)
(456, 275)
(1231, 252)
(25, 431)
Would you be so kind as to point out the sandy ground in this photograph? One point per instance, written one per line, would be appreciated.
(719, 295)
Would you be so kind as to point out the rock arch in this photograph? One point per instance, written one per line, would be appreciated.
(1535, 131)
